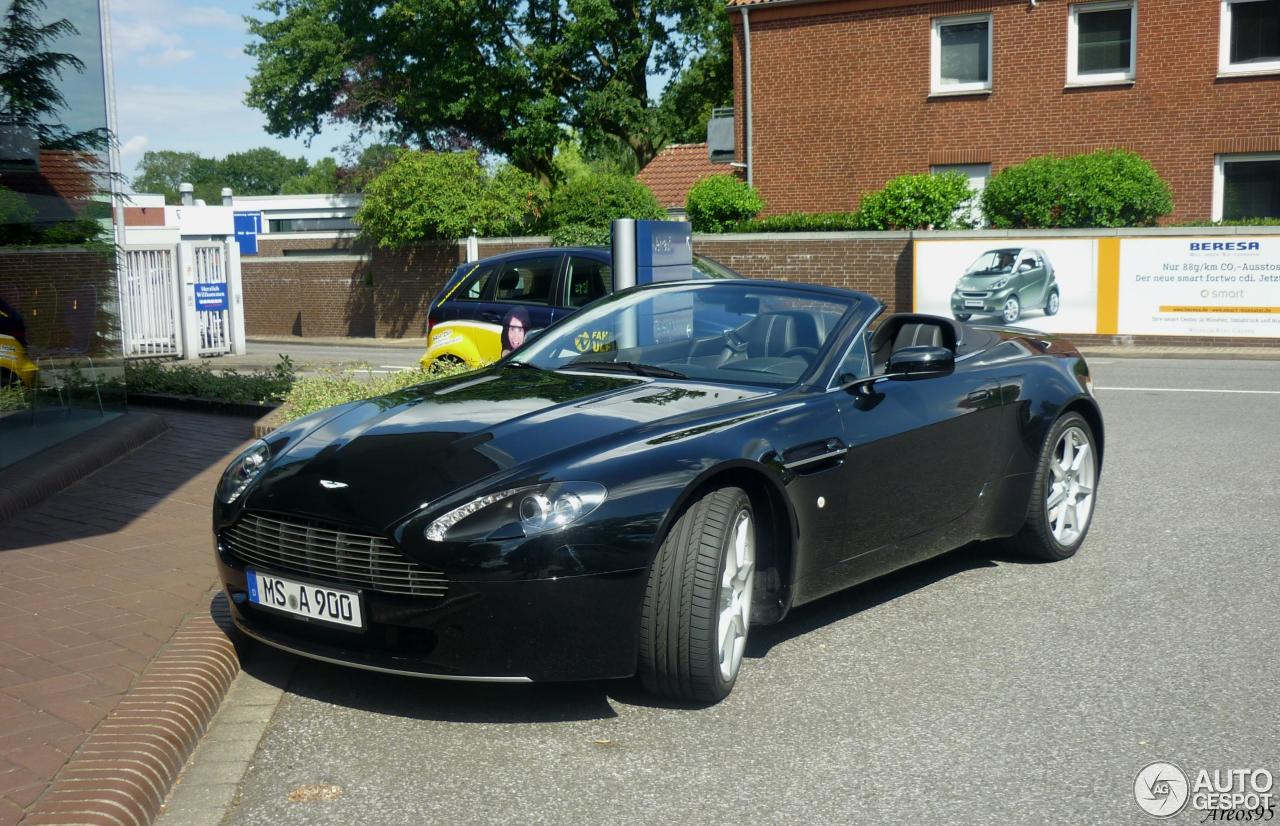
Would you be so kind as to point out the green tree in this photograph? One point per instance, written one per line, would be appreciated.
(161, 171)
(320, 179)
(261, 171)
(502, 77)
(366, 164)
(445, 195)
(583, 208)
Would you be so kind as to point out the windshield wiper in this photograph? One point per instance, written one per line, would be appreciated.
(639, 369)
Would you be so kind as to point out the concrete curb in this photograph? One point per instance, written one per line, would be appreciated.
(124, 770)
(26, 482)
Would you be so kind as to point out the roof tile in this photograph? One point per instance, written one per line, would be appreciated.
(677, 168)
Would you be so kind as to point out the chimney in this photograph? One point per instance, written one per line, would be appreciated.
(188, 194)
(227, 200)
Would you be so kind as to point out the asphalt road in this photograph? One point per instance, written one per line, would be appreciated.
(975, 688)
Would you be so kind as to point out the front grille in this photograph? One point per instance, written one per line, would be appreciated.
(329, 554)
(973, 295)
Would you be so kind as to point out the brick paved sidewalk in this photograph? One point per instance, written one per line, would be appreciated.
(93, 581)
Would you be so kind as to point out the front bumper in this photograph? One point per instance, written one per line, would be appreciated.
(976, 303)
(563, 628)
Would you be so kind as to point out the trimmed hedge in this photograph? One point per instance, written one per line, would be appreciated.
(924, 201)
(1107, 188)
(801, 222)
(594, 201)
(718, 202)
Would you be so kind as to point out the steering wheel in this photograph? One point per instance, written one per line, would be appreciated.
(806, 353)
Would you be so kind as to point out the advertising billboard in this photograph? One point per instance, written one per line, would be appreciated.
(1214, 286)
(1047, 284)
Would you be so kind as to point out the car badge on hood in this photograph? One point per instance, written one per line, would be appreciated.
(331, 485)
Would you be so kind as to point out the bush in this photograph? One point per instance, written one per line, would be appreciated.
(258, 387)
(581, 235)
(445, 195)
(595, 200)
(1234, 222)
(316, 393)
(801, 222)
(917, 202)
(716, 203)
(1107, 188)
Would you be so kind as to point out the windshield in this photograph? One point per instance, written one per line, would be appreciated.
(993, 262)
(709, 330)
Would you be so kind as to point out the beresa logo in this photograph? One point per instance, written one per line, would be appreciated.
(1225, 246)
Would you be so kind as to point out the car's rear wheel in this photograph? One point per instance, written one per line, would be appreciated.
(8, 378)
(1053, 304)
(697, 604)
(1063, 493)
(963, 316)
(1012, 310)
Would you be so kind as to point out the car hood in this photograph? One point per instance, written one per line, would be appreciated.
(379, 461)
(983, 281)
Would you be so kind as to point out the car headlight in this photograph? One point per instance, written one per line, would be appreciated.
(242, 471)
(999, 284)
(529, 511)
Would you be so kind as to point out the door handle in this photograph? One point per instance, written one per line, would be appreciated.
(980, 395)
(808, 457)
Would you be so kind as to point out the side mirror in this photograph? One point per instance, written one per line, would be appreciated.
(912, 363)
(1027, 265)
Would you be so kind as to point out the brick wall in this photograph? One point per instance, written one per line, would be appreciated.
(335, 286)
(66, 297)
(841, 99)
(880, 264)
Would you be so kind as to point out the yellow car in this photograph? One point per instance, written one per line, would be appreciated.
(15, 367)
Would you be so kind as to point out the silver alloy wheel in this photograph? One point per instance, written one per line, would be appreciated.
(1054, 301)
(1011, 310)
(1069, 501)
(736, 579)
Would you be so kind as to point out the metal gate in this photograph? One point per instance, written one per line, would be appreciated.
(150, 306)
(210, 269)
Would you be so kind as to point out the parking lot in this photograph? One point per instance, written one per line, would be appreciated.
(974, 688)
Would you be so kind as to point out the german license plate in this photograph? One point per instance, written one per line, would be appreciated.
(317, 602)
(972, 302)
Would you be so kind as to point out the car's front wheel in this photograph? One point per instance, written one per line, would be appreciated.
(1063, 492)
(1012, 310)
(1053, 304)
(697, 604)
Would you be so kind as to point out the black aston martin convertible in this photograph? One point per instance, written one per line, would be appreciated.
(621, 496)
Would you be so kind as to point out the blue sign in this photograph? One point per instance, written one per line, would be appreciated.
(664, 251)
(211, 297)
(248, 226)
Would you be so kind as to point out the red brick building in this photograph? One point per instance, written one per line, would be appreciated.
(846, 94)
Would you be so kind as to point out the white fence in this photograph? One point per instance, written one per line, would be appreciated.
(182, 300)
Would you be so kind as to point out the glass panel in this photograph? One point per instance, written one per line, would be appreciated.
(588, 280)
(1255, 31)
(309, 224)
(1251, 189)
(61, 358)
(1104, 40)
(474, 289)
(527, 281)
(963, 53)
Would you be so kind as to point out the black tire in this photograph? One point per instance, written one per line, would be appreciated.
(8, 378)
(1049, 308)
(1036, 539)
(963, 316)
(445, 363)
(679, 653)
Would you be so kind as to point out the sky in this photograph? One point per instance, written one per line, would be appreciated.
(181, 74)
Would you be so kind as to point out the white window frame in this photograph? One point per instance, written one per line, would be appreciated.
(974, 210)
(1225, 67)
(1074, 78)
(1220, 178)
(936, 86)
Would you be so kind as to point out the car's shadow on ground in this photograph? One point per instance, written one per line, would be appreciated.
(470, 702)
